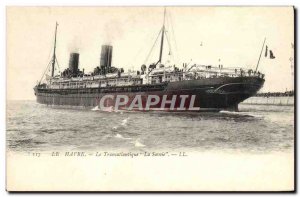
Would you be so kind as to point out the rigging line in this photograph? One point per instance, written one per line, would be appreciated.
(168, 36)
(57, 64)
(131, 60)
(139, 51)
(50, 51)
(45, 71)
(49, 56)
(50, 61)
(153, 46)
(260, 55)
(172, 29)
(51, 47)
(170, 48)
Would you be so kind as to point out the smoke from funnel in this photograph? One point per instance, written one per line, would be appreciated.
(74, 46)
(112, 31)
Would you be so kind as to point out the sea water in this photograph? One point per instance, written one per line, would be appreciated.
(255, 128)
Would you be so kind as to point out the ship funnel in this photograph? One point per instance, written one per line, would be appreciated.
(105, 58)
(73, 62)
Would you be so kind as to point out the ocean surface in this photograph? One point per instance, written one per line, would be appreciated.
(256, 128)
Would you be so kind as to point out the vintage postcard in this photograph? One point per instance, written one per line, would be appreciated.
(150, 99)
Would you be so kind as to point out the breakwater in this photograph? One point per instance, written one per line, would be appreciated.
(273, 100)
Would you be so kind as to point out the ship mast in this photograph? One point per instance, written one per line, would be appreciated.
(54, 56)
(162, 39)
(260, 55)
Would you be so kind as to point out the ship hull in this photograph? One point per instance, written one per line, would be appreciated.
(195, 95)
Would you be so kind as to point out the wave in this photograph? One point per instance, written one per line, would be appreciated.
(112, 109)
(242, 114)
(121, 137)
(122, 125)
(96, 108)
(125, 121)
(131, 134)
(115, 128)
(108, 109)
(138, 144)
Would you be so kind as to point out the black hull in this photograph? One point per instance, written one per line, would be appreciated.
(213, 94)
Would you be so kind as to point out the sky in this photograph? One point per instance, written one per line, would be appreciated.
(232, 36)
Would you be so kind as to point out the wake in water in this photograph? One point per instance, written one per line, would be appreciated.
(115, 128)
(122, 127)
(137, 143)
(108, 109)
(96, 108)
(242, 114)
(125, 121)
(43, 129)
(121, 137)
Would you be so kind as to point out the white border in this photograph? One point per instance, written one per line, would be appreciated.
(5, 3)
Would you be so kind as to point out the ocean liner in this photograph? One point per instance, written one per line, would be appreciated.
(157, 86)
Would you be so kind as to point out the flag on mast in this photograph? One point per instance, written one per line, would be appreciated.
(267, 51)
(271, 55)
